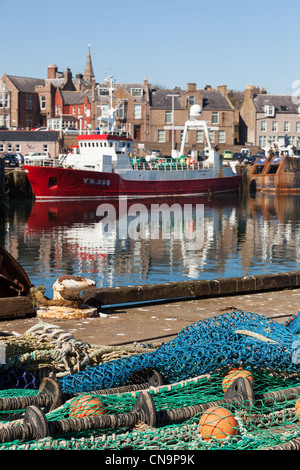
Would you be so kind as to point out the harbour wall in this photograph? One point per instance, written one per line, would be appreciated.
(197, 289)
(17, 185)
(2, 180)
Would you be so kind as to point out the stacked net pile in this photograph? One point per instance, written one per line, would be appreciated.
(47, 349)
(194, 365)
(265, 424)
(230, 339)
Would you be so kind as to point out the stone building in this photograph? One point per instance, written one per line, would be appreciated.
(25, 142)
(30, 102)
(147, 113)
(19, 102)
(266, 119)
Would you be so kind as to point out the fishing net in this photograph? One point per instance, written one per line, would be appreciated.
(95, 416)
(230, 339)
(265, 424)
(46, 349)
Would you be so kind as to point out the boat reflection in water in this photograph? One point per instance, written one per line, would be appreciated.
(240, 237)
(276, 220)
(125, 241)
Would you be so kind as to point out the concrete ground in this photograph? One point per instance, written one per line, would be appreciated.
(158, 323)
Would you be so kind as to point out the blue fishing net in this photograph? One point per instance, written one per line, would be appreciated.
(17, 378)
(231, 339)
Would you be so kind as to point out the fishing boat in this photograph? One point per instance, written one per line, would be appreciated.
(277, 171)
(100, 165)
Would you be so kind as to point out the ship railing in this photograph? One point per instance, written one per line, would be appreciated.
(108, 132)
(168, 166)
(50, 162)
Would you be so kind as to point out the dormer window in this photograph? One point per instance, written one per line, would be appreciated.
(138, 92)
(269, 110)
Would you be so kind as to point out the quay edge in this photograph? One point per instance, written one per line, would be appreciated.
(186, 290)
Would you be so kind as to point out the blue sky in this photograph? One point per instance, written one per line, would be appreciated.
(168, 42)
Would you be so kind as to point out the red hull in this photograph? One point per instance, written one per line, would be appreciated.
(65, 183)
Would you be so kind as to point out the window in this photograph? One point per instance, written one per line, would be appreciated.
(211, 135)
(73, 110)
(263, 126)
(272, 139)
(168, 117)
(222, 137)
(161, 136)
(181, 136)
(215, 118)
(137, 113)
(270, 110)
(103, 91)
(29, 102)
(192, 100)
(9, 147)
(6, 101)
(45, 148)
(43, 102)
(136, 91)
(286, 126)
(121, 111)
(199, 136)
(297, 126)
(262, 140)
(1, 147)
(52, 181)
(6, 120)
(18, 148)
(275, 126)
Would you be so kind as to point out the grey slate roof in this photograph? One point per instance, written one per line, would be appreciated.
(29, 136)
(160, 100)
(26, 84)
(215, 100)
(283, 103)
(72, 97)
(211, 100)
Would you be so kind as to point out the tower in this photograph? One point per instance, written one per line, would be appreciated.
(89, 73)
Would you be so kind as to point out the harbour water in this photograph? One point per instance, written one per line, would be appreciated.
(156, 241)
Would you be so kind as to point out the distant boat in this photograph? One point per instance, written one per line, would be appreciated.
(278, 171)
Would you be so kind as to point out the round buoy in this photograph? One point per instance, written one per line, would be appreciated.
(217, 422)
(86, 405)
(234, 374)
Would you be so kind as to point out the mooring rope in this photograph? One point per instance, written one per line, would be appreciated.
(256, 336)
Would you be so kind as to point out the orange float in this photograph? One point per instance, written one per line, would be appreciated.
(217, 422)
(234, 374)
(297, 407)
(86, 405)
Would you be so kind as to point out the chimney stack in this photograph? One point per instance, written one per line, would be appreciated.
(52, 71)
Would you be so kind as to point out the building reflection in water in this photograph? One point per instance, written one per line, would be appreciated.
(239, 236)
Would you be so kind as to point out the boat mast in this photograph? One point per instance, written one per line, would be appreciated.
(193, 123)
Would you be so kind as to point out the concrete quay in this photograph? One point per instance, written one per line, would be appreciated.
(161, 321)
